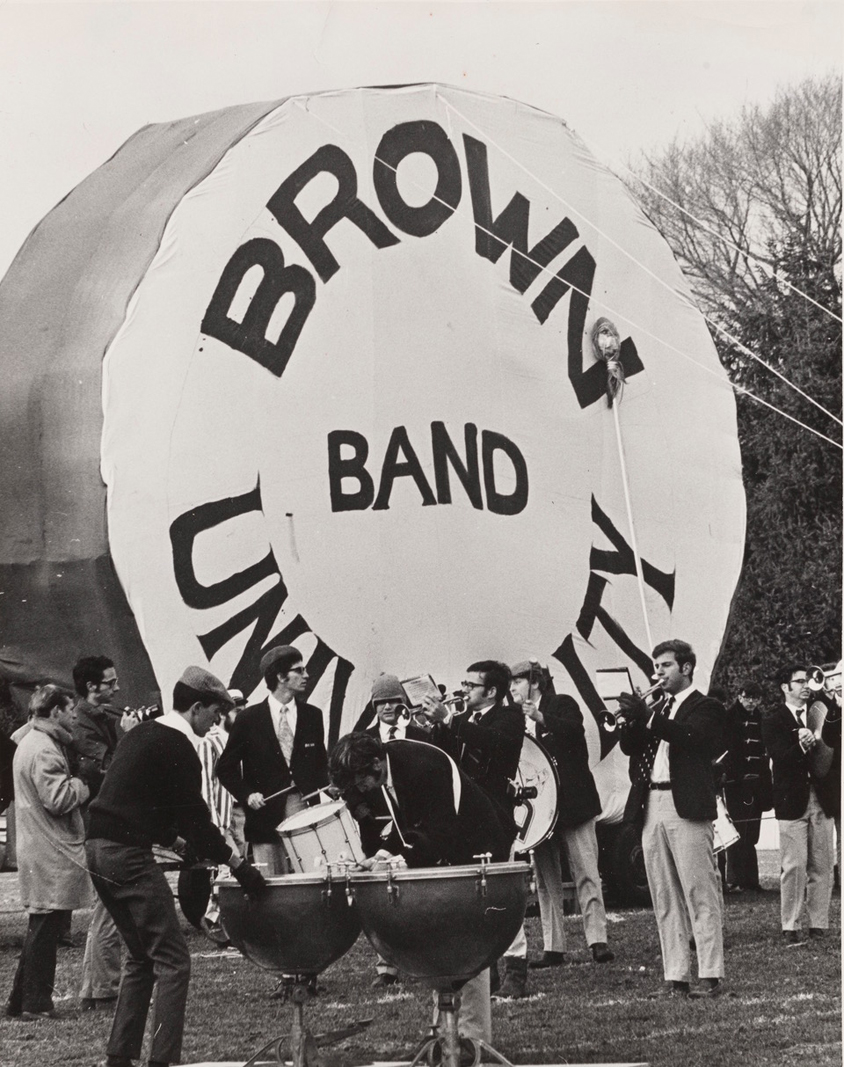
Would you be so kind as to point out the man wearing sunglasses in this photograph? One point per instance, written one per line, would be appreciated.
(275, 747)
(803, 805)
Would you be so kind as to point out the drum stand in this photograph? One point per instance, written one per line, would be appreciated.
(303, 1046)
(445, 1038)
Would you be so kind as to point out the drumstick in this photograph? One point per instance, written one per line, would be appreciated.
(290, 789)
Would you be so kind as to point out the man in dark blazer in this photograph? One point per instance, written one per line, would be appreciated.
(804, 805)
(276, 746)
(747, 788)
(557, 724)
(486, 741)
(672, 791)
(486, 738)
(438, 816)
(388, 708)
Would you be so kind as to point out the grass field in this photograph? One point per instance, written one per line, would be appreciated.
(781, 1006)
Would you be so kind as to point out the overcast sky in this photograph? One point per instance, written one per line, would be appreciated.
(77, 79)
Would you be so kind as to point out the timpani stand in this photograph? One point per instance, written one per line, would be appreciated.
(442, 926)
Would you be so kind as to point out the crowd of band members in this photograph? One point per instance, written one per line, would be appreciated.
(83, 768)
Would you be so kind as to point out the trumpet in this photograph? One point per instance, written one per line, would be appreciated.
(417, 715)
(611, 720)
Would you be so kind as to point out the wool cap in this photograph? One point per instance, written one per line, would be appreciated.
(524, 668)
(387, 687)
(202, 681)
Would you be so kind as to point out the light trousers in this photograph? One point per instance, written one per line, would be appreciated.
(582, 847)
(101, 962)
(475, 1019)
(685, 887)
(270, 856)
(807, 858)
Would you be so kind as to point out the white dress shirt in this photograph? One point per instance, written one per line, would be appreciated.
(661, 771)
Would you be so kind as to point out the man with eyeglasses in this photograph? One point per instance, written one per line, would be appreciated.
(275, 747)
(97, 730)
(803, 805)
(486, 743)
(747, 788)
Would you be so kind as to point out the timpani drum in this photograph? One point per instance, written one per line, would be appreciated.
(442, 925)
(300, 925)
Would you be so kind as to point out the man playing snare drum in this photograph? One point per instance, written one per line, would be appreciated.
(275, 756)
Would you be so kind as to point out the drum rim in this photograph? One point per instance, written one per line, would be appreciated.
(329, 810)
(410, 874)
(297, 879)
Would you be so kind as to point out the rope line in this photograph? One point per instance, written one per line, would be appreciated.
(633, 543)
(727, 241)
(631, 322)
(642, 266)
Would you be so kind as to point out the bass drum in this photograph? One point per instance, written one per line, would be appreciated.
(536, 815)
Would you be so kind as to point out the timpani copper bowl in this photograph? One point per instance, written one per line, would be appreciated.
(301, 925)
(442, 925)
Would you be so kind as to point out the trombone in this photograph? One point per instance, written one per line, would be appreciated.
(611, 720)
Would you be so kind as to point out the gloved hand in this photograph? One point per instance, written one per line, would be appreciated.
(251, 880)
(633, 708)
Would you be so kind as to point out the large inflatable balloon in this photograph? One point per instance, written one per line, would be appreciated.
(336, 371)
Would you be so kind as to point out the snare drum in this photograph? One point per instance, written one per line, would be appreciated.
(537, 816)
(725, 832)
(318, 836)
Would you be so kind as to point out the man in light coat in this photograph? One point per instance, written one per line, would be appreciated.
(52, 869)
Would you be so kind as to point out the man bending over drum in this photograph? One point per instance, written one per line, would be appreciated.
(419, 805)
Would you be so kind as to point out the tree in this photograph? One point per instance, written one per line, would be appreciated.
(770, 182)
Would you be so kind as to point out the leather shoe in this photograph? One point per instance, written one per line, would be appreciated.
(383, 981)
(794, 937)
(816, 933)
(98, 1003)
(709, 987)
(34, 1016)
(602, 953)
(548, 959)
(671, 991)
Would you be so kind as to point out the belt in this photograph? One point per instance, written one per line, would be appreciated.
(659, 785)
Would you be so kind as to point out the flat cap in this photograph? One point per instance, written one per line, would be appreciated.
(202, 681)
(281, 652)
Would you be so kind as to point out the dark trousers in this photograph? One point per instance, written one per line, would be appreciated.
(32, 988)
(742, 865)
(140, 901)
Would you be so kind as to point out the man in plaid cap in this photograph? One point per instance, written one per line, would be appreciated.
(151, 794)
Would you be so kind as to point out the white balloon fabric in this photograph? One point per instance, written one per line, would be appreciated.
(354, 404)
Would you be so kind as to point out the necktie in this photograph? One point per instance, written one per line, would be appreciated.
(475, 716)
(285, 736)
(644, 766)
(391, 733)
